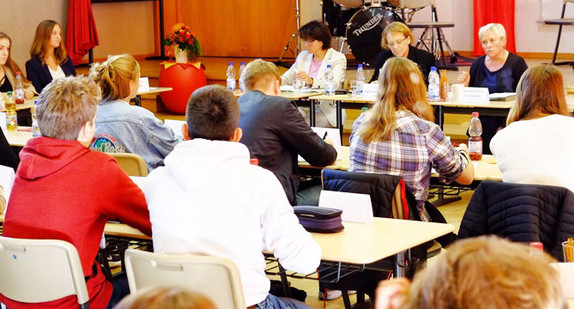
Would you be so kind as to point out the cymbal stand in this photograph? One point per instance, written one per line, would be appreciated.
(288, 46)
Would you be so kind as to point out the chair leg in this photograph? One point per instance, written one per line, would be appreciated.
(557, 44)
(346, 299)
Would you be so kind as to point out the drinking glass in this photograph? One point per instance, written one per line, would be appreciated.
(353, 88)
(298, 85)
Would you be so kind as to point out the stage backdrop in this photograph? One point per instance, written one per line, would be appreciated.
(246, 28)
(494, 11)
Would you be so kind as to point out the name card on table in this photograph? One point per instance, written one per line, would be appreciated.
(356, 207)
(144, 84)
(474, 95)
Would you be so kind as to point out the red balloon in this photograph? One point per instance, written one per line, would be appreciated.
(184, 78)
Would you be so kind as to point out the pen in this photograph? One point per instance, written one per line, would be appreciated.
(325, 136)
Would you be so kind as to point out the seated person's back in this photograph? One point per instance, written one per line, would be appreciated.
(209, 199)
(65, 191)
(274, 130)
(122, 127)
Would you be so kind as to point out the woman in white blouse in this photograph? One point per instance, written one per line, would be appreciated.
(537, 145)
(310, 67)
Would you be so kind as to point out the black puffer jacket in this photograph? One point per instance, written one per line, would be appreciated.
(521, 213)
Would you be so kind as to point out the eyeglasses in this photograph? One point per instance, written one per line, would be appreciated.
(397, 43)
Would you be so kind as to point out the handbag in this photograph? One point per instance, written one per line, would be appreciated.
(319, 219)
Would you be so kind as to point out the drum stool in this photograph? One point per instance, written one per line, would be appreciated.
(432, 39)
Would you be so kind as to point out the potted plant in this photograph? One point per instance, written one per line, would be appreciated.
(186, 45)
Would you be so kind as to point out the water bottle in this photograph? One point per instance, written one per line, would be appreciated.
(35, 128)
(434, 85)
(360, 80)
(475, 141)
(241, 69)
(231, 84)
(11, 116)
(19, 92)
(329, 81)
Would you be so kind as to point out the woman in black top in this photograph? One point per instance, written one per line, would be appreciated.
(396, 42)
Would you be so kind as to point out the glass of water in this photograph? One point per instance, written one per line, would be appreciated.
(353, 86)
(298, 85)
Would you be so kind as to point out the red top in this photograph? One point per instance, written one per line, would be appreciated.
(65, 191)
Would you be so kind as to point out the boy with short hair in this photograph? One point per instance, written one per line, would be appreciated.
(65, 191)
(209, 199)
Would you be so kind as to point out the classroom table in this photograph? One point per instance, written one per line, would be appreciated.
(20, 137)
(358, 243)
(492, 108)
(150, 90)
(485, 169)
(29, 103)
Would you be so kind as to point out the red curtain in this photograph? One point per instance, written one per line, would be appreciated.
(81, 33)
(494, 11)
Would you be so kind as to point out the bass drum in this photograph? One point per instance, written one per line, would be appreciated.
(364, 32)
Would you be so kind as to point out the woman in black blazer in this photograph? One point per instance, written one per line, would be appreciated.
(49, 58)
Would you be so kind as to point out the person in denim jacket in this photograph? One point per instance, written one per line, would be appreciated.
(121, 127)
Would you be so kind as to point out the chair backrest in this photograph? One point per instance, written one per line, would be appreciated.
(131, 163)
(218, 278)
(521, 213)
(388, 193)
(40, 270)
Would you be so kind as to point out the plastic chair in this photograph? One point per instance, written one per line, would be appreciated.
(216, 277)
(560, 22)
(131, 163)
(40, 270)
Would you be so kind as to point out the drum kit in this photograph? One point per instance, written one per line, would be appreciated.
(363, 30)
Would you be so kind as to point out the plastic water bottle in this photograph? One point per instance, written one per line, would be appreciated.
(11, 116)
(329, 81)
(475, 141)
(360, 80)
(19, 92)
(35, 128)
(231, 84)
(434, 85)
(241, 69)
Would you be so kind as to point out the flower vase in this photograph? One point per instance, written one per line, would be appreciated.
(180, 55)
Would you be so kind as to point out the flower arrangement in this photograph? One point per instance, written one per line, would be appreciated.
(183, 38)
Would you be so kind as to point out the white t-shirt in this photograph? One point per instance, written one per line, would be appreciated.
(537, 151)
(59, 73)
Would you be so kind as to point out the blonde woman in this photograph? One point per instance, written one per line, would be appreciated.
(396, 42)
(398, 136)
(537, 146)
(121, 127)
(477, 273)
(49, 59)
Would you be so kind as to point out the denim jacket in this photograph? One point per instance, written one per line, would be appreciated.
(121, 127)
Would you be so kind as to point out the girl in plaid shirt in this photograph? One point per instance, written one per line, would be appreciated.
(398, 135)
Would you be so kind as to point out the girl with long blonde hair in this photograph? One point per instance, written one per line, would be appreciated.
(398, 136)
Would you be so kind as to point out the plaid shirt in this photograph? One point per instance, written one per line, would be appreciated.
(415, 146)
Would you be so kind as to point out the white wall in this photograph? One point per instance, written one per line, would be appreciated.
(19, 18)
